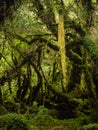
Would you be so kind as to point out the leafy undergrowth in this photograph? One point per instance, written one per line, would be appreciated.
(42, 120)
(90, 126)
(13, 121)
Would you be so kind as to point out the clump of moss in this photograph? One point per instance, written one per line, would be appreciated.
(13, 121)
(42, 118)
(90, 126)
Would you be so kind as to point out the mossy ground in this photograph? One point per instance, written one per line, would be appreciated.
(43, 120)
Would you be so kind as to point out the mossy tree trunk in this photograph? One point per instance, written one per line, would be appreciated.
(86, 76)
(61, 40)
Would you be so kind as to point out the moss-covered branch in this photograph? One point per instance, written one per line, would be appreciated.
(86, 41)
(75, 57)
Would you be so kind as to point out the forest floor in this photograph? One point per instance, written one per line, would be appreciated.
(44, 119)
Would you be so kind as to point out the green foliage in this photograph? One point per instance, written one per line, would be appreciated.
(14, 121)
(91, 46)
(43, 118)
(75, 123)
(89, 127)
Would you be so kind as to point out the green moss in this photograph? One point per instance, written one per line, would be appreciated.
(13, 121)
(91, 46)
(89, 127)
(42, 118)
(3, 110)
